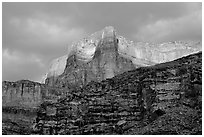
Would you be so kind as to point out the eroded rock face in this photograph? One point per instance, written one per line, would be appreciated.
(90, 57)
(57, 66)
(20, 101)
(146, 54)
(93, 60)
(28, 94)
(161, 99)
(22, 93)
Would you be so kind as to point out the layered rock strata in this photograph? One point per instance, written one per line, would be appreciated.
(21, 93)
(161, 99)
(20, 102)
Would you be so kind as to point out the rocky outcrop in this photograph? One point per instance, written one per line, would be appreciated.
(93, 60)
(95, 90)
(87, 53)
(56, 67)
(161, 99)
(22, 93)
(20, 102)
(146, 54)
(28, 94)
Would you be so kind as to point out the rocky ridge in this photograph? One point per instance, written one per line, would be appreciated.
(161, 99)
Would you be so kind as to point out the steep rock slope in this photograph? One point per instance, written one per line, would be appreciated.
(94, 61)
(56, 67)
(161, 99)
(140, 53)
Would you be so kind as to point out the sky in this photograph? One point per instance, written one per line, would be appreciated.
(33, 34)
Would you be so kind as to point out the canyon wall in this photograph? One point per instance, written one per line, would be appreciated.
(89, 49)
(161, 99)
(146, 54)
(28, 94)
(92, 59)
(20, 102)
(22, 93)
(115, 97)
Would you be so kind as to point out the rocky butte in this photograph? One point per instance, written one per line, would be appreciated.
(106, 54)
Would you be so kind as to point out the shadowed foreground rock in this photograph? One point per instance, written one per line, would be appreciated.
(161, 99)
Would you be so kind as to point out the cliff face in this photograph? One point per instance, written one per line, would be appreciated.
(94, 60)
(105, 54)
(22, 93)
(27, 94)
(161, 99)
(20, 101)
(57, 67)
(146, 54)
(115, 99)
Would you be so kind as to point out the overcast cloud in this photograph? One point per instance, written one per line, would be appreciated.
(35, 33)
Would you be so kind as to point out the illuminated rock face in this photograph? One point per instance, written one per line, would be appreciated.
(93, 59)
(105, 54)
(57, 66)
(146, 54)
(23, 93)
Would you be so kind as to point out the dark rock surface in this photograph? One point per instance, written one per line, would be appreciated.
(161, 99)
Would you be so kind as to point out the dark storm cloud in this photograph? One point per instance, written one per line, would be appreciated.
(35, 33)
